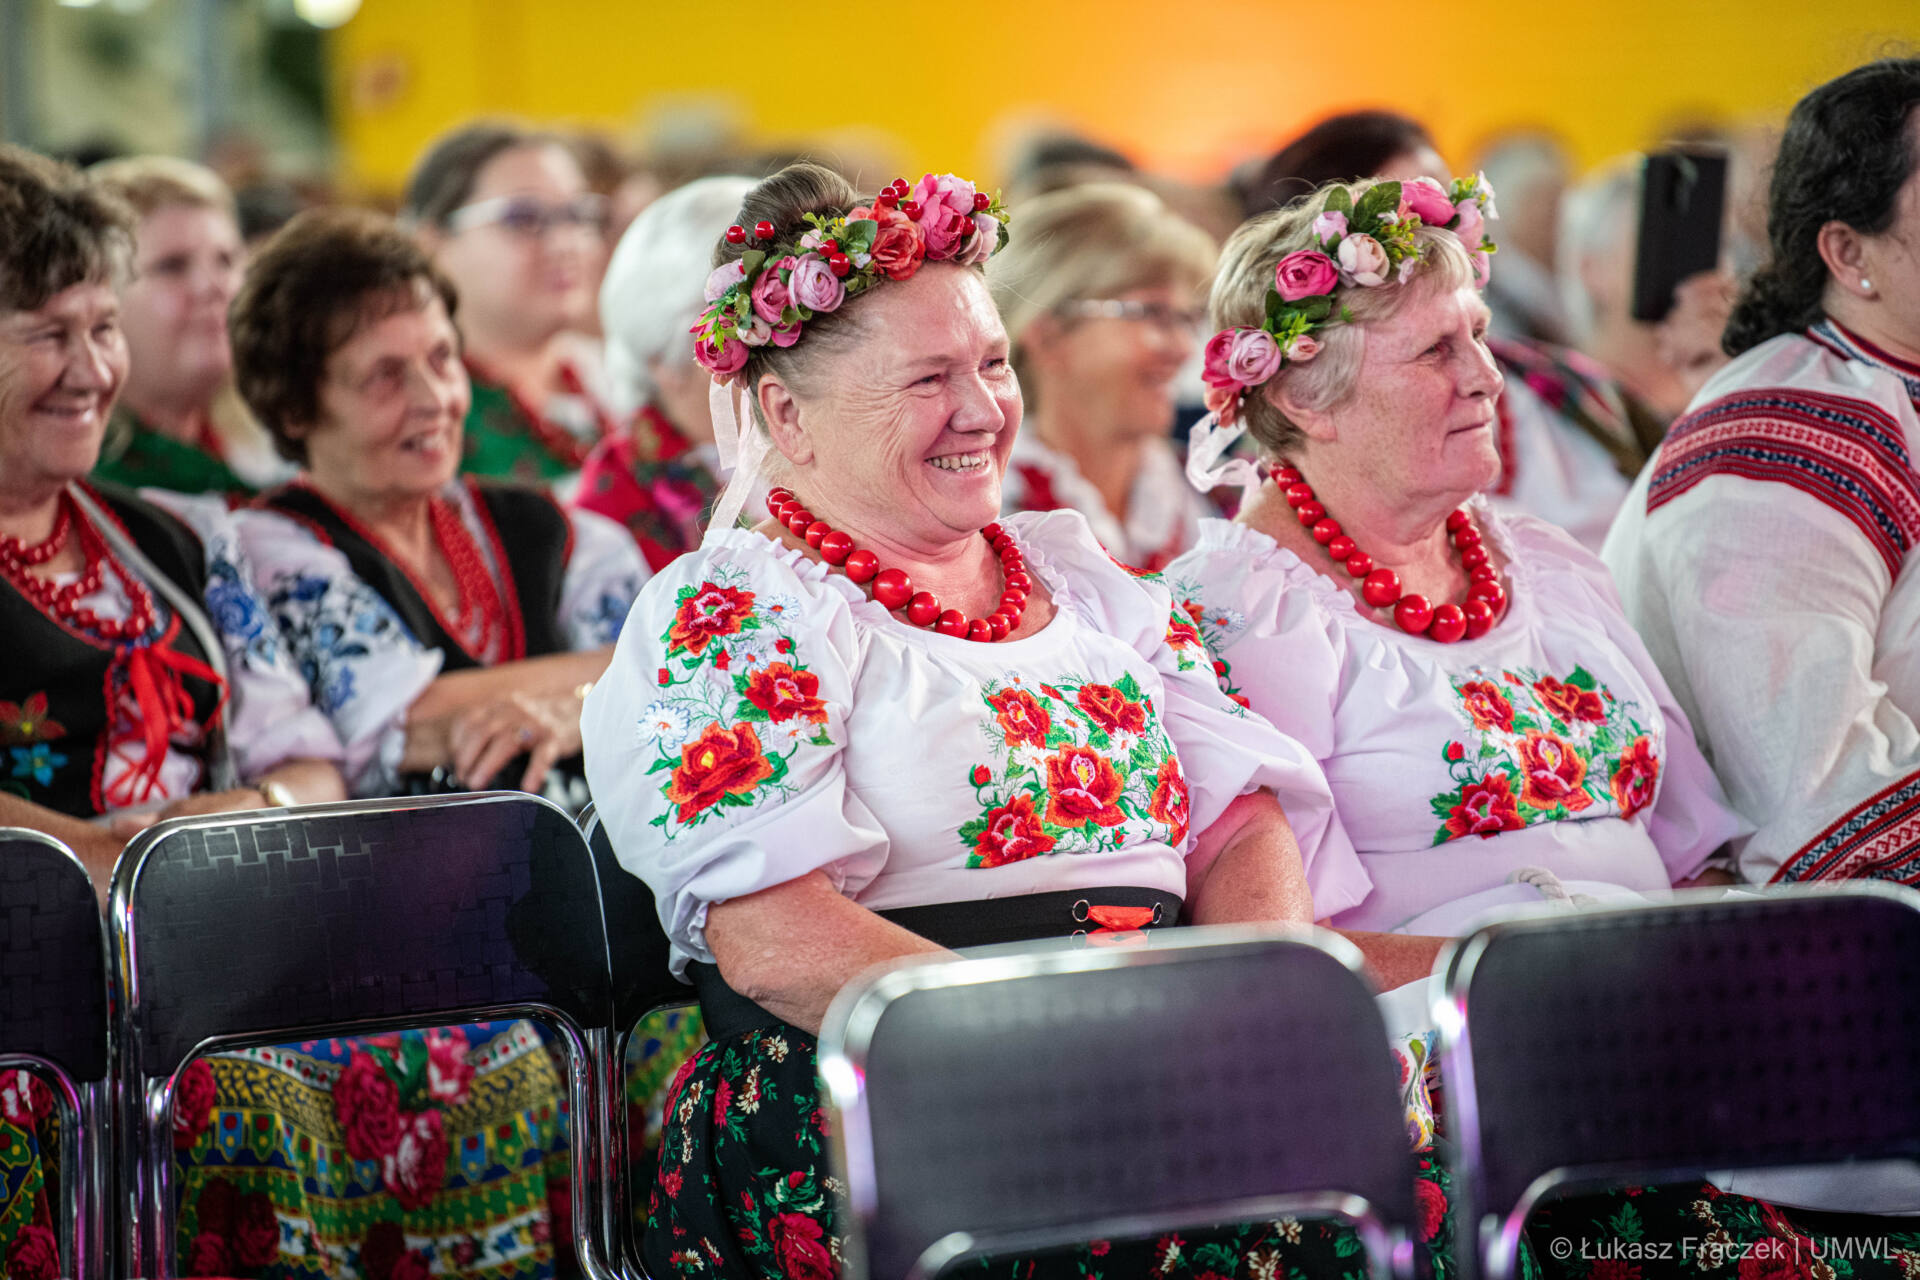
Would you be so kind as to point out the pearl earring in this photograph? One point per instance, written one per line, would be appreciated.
(1866, 284)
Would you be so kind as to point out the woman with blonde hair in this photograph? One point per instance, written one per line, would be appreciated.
(1101, 297)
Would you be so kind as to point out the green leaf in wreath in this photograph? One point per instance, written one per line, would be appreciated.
(1381, 198)
(1340, 200)
(1317, 309)
(858, 236)
(751, 261)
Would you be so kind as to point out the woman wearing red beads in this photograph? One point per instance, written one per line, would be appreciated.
(1491, 725)
(878, 724)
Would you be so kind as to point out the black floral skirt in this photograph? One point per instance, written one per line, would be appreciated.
(745, 1191)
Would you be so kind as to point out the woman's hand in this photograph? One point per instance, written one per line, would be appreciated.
(485, 738)
(1688, 340)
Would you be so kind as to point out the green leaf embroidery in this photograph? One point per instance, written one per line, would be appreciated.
(664, 762)
(1581, 679)
(1627, 1225)
(1129, 686)
(747, 711)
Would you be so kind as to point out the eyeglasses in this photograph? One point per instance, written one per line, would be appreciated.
(1167, 318)
(532, 217)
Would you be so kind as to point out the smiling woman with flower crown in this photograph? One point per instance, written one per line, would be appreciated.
(880, 724)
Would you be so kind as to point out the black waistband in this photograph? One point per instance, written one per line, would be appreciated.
(981, 923)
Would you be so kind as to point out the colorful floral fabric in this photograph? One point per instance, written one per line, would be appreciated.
(1073, 767)
(29, 1175)
(650, 479)
(1541, 749)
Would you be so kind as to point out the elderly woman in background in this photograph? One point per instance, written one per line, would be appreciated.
(880, 724)
(507, 217)
(657, 477)
(179, 425)
(1101, 299)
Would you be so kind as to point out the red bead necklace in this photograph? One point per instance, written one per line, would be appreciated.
(1381, 587)
(63, 603)
(894, 589)
(483, 615)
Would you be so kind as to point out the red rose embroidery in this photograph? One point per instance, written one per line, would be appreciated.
(1109, 708)
(1570, 702)
(217, 1206)
(1487, 705)
(1022, 719)
(784, 693)
(193, 1097)
(417, 1165)
(1170, 798)
(1552, 772)
(25, 1100)
(368, 1108)
(33, 1255)
(255, 1241)
(1082, 786)
(1634, 781)
(1430, 1204)
(720, 762)
(448, 1070)
(799, 1247)
(981, 775)
(711, 611)
(1013, 834)
(1193, 610)
(1485, 809)
(1181, 634)
(207, 1256)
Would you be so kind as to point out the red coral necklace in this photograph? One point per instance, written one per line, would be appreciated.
(894, 589)
(1381, 587)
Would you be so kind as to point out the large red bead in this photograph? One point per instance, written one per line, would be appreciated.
(1473, 558)
(862, 565)
(992, 533)
(782, 511)
(892, 588)
(1325, 531)
(798, 521)
(1287, 476)
(1341, 547)
(1381, 588)
(1295, 494)
(1001, 624)
(816, 532)
(1468, 536)
(836, 547)
(1479, 616)
(1013, 600)
(1481, 588)
(736, 235)
(952, 623)
(1496, 599)
(980, 630)
(763, 230)
(1485, 573)
(1019, 582)
(778, 495)
(1457, 519)
(1360, 564)
(1449, 624)
(923, 608)
(1310, 513)
(1413, 613)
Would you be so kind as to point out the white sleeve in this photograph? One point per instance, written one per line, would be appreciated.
(1774, 605)
(707, 797)
(604, 575)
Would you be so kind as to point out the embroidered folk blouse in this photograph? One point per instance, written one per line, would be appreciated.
(1163, 512)
(763, 719)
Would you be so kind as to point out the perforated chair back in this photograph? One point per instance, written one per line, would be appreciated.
(53, 1022)
(1026, 1097)
(642, 984)
(257, 928)
(1662, 1041)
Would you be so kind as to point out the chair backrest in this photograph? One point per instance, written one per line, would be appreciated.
(637, 943)
(1666, 1040)
(53, 1019)
(278, 925)
(1031, 1096)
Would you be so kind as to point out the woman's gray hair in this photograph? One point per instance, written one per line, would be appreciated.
(655, 284)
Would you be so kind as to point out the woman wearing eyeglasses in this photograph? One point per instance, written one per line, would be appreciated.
(1101, 298)
(507, 217)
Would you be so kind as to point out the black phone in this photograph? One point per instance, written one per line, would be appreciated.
(1682, 195)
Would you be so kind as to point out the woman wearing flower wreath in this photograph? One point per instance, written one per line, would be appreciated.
(879, 724)
(440, 623)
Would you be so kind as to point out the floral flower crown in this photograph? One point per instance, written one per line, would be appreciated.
(769, 293)
(1371, 243)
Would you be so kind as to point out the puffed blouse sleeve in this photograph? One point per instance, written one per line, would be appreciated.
(1225, 750)
(1691, 818)
(704, 796)
(604, 574)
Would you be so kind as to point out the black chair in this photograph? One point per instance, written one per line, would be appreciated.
(53, 1022)
(642, 985)
(1660, 1042)
(1028, 1097)
(236, 930)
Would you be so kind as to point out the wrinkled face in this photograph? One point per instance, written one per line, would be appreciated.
(1421, 418)
(186, 269)
(907, 423)
(526, 268)
(1118, 371)
(61, 366)
(392, 402)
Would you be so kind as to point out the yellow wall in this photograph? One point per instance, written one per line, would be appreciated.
(1187, 86)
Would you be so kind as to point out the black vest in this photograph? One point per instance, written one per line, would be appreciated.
(531, 533)
(58, 685)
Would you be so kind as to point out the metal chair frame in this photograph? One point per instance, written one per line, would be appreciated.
(1494, 1231)
(858, 1012)
(146, 1088)
(85, 1100)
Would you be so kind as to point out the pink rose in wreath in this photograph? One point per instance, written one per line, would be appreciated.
(1305, 274)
